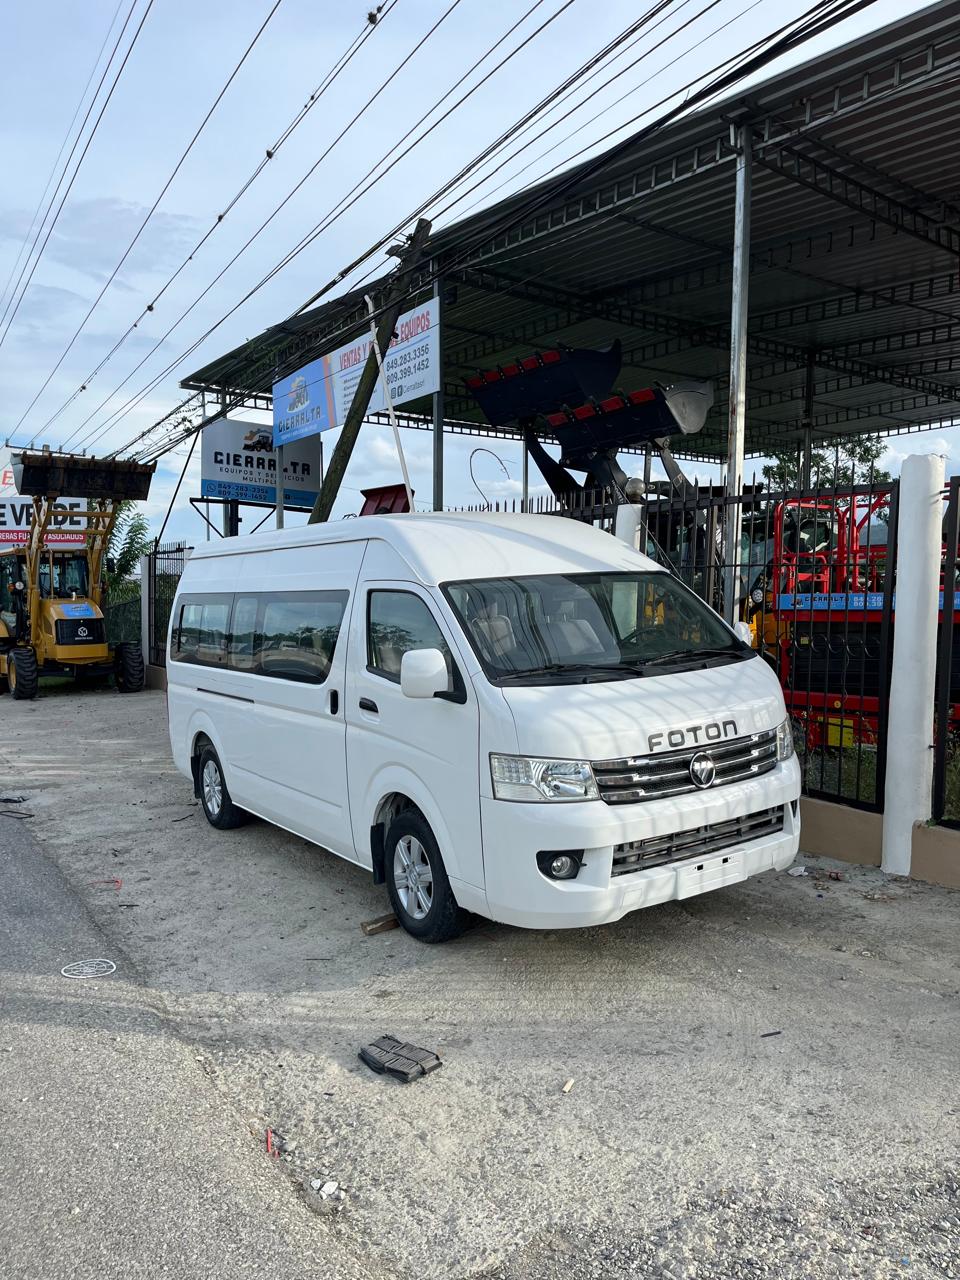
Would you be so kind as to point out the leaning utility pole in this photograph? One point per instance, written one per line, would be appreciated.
(409, 261)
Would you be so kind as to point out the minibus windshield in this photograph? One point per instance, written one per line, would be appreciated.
(589, 626)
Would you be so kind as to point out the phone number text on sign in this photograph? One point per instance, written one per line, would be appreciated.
(318, 396)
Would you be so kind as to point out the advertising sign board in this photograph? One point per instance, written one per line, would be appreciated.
(318, 396)
(65, 529)
(238, 461)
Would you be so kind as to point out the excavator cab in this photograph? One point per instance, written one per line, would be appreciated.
(52, 586)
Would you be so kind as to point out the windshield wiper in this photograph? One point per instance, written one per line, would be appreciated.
(694, 655)
(575, 669)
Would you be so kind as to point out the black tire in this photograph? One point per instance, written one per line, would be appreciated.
(442, 918)
(22, 675)
(212, 785)
(128, 668)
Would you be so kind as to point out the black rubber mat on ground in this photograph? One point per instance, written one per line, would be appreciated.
(390, 1056)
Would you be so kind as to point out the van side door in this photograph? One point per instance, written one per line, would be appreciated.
(424, 748)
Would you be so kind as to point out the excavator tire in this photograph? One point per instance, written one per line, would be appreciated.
(128, 667)
(22, 675)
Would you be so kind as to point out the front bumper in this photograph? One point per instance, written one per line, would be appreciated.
(513, 833)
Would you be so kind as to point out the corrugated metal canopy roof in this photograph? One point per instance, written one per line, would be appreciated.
(855, 255)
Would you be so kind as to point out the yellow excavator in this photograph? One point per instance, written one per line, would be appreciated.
(52, 585)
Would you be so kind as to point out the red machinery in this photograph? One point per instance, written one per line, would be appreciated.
(824, 614)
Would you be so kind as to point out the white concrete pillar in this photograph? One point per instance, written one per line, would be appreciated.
(913, 684)
(628, 523)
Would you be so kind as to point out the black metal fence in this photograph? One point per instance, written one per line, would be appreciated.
(592, 506)
(165, 569)
(815, 584)
(946, 738)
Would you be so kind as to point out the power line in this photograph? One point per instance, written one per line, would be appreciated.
(83, 154)
(423, 40)
(341, 63)
(63, 147)
(151, 211)
(822, 16)
(343, 205)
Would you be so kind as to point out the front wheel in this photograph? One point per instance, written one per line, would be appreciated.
(417, 881)
(128, 667)
(218, 809)
(22, 674)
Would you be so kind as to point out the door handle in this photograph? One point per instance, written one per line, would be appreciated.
(368, 704)
(334, 702)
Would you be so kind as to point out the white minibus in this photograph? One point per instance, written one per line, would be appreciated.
(514, 715)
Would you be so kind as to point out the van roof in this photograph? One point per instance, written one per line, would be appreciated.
(445, 546)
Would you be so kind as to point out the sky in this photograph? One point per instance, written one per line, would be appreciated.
(180, 61)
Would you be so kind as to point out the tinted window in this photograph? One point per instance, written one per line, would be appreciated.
(243, 631)
(202, 628)
(398, 621)
(298, 634)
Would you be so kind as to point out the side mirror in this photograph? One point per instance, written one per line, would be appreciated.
(423, 672)
(743, 631)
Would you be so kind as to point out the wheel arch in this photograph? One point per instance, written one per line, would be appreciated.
(391, 791)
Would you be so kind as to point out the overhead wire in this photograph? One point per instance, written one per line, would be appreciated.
(90, 137)
(339, 66)
(348, 200)
(820, 17)
(90, 438)
(152, 210)
(63, 147)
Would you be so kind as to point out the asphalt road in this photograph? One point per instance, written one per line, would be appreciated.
(119, 1159)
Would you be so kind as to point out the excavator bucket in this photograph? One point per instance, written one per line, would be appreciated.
(545, 381)
(46, 474)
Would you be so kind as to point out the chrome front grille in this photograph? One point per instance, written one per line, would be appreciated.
(716, 836)
(637, 778)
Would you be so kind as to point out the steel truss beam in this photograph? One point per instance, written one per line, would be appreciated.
(780, 255)
(707, 335)
(898, 69)
(816, 175)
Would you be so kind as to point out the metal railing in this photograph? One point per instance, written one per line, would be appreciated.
(165, 567)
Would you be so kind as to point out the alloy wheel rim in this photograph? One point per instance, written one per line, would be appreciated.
(413, 877)
(212, 788)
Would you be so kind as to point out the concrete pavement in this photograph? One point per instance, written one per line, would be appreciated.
(119, 1159)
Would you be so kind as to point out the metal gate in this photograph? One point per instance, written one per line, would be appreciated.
(946, 740)
(165, 569)
(816, 586)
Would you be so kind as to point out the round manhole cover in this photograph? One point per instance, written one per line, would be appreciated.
(88, 969)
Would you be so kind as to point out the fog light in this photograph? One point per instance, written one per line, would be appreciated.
(560, 864)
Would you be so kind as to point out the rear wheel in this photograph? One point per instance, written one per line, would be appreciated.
(128, 667)
(22, 674)
(218, 809)
(417, 882)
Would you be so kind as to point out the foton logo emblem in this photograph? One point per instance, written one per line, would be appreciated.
(694, 736)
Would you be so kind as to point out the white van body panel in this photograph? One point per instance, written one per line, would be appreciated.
(610, 719)
(327, 769)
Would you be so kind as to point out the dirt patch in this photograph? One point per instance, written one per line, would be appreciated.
(685, 1115)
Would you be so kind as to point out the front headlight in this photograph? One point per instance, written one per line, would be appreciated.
(531, 778)
(784, 741)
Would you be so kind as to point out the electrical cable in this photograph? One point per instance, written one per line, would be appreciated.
(92, 437)
(340, 65)
(814, 21)
(83, 154)
(151, 211)
(63, 147)
(341, 207)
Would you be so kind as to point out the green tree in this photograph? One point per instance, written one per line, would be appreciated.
(129, 540)
(848, 463)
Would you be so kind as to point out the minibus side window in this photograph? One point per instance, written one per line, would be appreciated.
(243, 638)
(398, 621)
(298, 634)
(201, 635)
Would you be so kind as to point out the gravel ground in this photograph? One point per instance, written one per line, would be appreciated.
(692, 1142)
